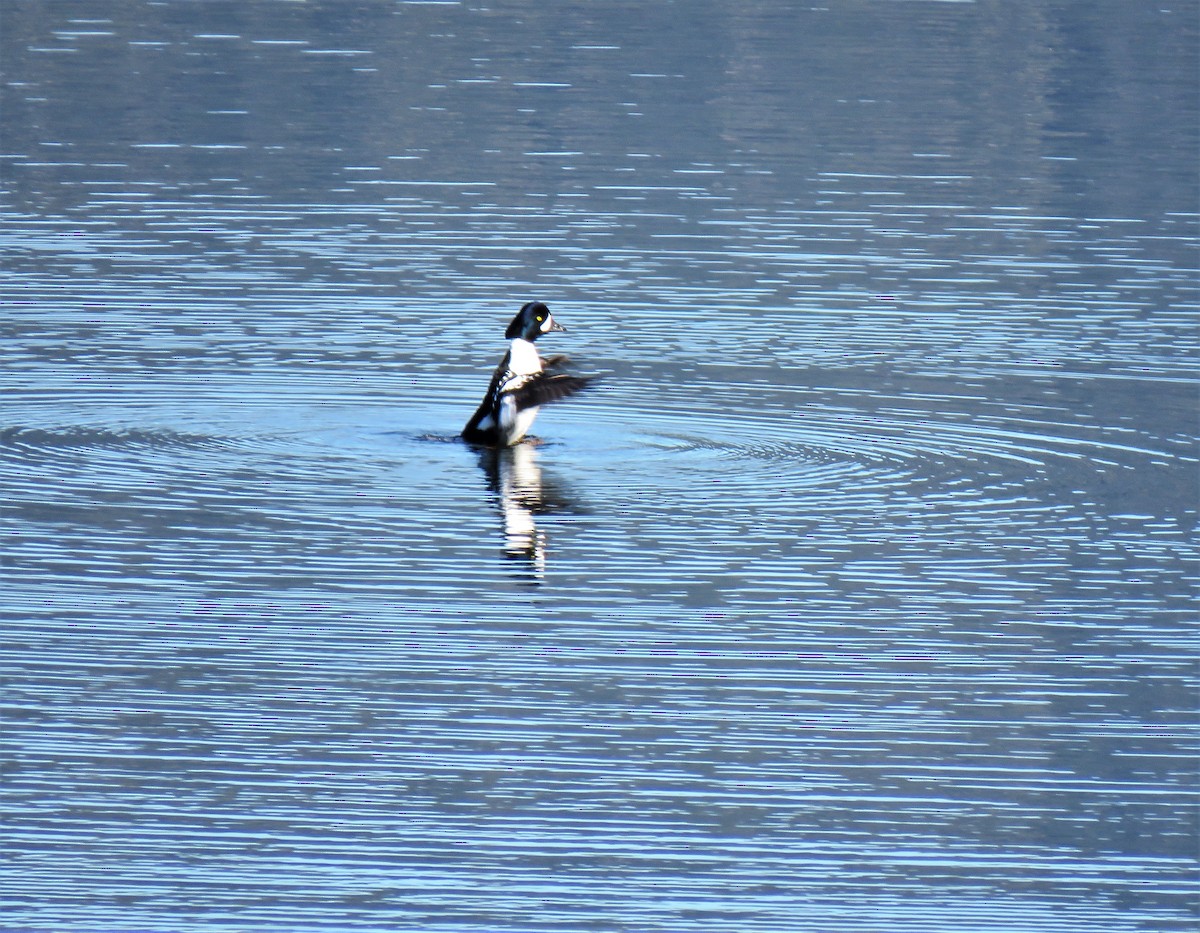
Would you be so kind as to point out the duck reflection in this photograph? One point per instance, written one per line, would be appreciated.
(522, 493)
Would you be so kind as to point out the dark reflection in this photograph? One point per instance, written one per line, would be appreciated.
(522, 492)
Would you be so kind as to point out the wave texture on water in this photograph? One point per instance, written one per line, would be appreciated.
(859, 592)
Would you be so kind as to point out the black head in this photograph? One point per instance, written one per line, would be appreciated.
(531, 322)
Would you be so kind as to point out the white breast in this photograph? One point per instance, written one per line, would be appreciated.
(523, 357)
(523, 361)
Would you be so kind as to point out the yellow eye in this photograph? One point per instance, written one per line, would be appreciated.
(540, 319)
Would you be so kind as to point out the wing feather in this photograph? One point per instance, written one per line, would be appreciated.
(543, 388)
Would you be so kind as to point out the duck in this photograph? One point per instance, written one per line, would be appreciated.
(523, 382)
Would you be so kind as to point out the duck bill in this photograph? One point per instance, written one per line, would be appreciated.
(555, 326)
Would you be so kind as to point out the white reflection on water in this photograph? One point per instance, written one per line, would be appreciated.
(515, 478)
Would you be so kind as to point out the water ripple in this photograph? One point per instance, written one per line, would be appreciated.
(859, 591)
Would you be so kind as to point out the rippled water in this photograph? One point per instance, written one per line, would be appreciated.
(859, 592)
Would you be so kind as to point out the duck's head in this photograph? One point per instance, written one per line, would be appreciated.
(533, 320)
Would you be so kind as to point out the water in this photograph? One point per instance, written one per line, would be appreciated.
(860, 592)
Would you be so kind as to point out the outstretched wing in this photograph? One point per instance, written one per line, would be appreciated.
(542, 388)
(557, 361)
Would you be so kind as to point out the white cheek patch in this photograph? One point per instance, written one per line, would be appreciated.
(547, 324)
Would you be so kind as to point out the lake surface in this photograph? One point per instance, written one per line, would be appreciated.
(858, 594)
